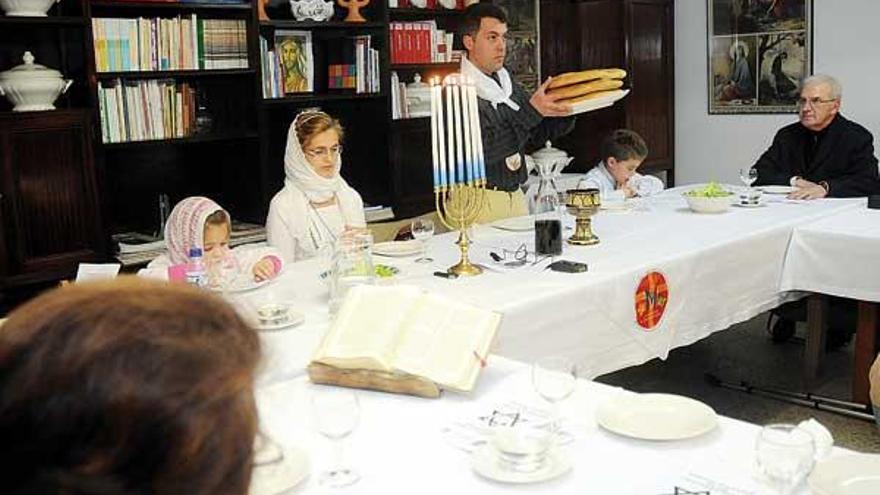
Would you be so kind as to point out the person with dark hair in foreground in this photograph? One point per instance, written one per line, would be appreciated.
(127, 387)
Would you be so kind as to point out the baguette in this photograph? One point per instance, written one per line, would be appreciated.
(585, 75)
(590, 96)
(575, 90)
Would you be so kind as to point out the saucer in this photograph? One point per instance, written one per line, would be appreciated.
(750, 205)
(398, 249)
(294, 318)
(279, 477)
(846, 475)
(485, 463)
(775, 189)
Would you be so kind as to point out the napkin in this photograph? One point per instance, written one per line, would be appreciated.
(821, 437)
(474, 430)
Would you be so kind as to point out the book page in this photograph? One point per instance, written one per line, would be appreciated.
(366, 329)
(442, 340)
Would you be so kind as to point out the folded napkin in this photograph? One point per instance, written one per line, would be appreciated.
(821, 437)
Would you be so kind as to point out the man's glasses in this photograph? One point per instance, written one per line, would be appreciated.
(813, 102)
(330, 152)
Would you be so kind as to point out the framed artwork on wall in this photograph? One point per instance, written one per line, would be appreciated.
(759, 51)
(523, 46)
(296, 61)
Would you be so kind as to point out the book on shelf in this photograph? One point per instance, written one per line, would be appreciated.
(419, 42)
(179, 43)
(140, 110)
(403, 330)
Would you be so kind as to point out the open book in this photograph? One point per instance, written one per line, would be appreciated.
(402, 329)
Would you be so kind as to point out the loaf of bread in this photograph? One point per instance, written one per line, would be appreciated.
(580, 89)
(591, 96)
(569, 78)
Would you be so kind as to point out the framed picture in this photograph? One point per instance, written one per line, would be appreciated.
(759, 52)
(296, 61)
(523, 47)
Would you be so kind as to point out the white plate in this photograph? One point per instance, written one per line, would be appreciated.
(656, 416)
(515, 224)
(775, 189)
(485, 463)
(618, 206)
(243, 284)
(398, 248)
(597, 103)
(294, 318)
(271, 479)
(846, 475)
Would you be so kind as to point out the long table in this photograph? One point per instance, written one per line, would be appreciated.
(719, 270)
(400, 444)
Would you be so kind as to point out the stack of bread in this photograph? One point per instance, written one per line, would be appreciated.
(577, 87)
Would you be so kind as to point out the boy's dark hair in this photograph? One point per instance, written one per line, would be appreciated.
(623, 144)
(474, 14)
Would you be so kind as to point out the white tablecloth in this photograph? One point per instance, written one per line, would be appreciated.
(837, 255)
(720, 269)
(399, 445)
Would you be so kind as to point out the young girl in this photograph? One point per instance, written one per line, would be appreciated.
(316, 205)
(615, 176)
(200, 222)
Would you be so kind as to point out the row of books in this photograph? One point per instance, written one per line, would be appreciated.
(180, 43)
(146, 110)
(399, 109)
(353, 63)
(419, 42)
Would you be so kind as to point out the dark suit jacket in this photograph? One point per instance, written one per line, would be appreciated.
(844, 159)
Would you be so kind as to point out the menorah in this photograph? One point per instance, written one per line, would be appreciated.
(459, 168)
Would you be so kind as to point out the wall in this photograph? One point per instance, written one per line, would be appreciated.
(846, 44)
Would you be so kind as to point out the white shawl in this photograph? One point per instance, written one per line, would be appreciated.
(291, 216)
(487, 88)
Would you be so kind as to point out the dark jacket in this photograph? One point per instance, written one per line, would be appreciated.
(506, 132)
(844, 158)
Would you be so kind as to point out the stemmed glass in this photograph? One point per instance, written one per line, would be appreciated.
(784, 455)
(422, 230)
(553, 379)
(336, 415)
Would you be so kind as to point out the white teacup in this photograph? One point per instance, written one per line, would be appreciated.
(273, 314)
(522, 448)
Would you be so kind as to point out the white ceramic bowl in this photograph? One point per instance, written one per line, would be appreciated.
(702, 204)
(32, 87)
(27, 8)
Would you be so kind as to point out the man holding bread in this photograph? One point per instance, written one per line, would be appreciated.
(509, 117)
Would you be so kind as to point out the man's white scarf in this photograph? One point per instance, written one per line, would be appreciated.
(487, 88)
(307, 186)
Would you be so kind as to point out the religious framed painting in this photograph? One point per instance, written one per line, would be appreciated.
(295, 60)
(759, 51)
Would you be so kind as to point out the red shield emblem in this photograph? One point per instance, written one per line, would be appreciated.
(651, 298)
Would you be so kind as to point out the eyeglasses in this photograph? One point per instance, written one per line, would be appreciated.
(813, 102)
(324, 152)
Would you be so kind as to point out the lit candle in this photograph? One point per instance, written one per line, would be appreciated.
(450, 134)
(441, 141)
(456, 108)
(435, 163)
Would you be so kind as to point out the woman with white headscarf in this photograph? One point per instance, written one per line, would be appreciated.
(316, 205)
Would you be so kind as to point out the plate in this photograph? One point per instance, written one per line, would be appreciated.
(294, 318)
(515, 224)
(597, 103)
(750, 205)
(485, 463)
(618, 206)
(398, 248)
(243, 284)
(775, 189)
(271, 479)
(846, 475)
(656, 416)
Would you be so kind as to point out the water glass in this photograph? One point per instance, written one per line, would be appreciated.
(748, 176)
(422, 230)
(337, 411)
(553, 379)
(784, 456)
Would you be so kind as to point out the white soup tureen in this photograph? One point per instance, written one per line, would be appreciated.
(27, 8)
(32, 87)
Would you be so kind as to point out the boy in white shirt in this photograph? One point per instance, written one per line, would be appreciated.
(615, 176)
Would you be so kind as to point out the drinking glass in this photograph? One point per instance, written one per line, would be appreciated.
(336, 415)
(422, 230)
(748, 176)
(784, 455)
(553, 379)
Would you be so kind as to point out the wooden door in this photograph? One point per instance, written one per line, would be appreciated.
(50, 208)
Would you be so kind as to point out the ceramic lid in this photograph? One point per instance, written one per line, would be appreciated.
(548, 152)
(29, 70)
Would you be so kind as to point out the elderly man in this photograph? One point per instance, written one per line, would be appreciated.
(824, 154)
(509, 117)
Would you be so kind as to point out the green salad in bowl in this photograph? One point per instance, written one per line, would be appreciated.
(711, 198)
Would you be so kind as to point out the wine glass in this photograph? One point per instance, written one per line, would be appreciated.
(553, 379)
(422, 229)
(336, 415)
(784, 455)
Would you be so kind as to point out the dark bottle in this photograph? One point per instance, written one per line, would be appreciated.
(548, 237)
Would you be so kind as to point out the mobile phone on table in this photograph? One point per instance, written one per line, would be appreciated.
(566, 266)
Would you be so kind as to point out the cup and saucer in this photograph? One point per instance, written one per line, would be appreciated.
(275, 316)
(750, 199)
(521, 455)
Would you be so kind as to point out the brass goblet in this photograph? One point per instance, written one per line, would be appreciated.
(583, 204)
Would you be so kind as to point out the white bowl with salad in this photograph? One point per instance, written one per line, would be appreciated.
(711, 198)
